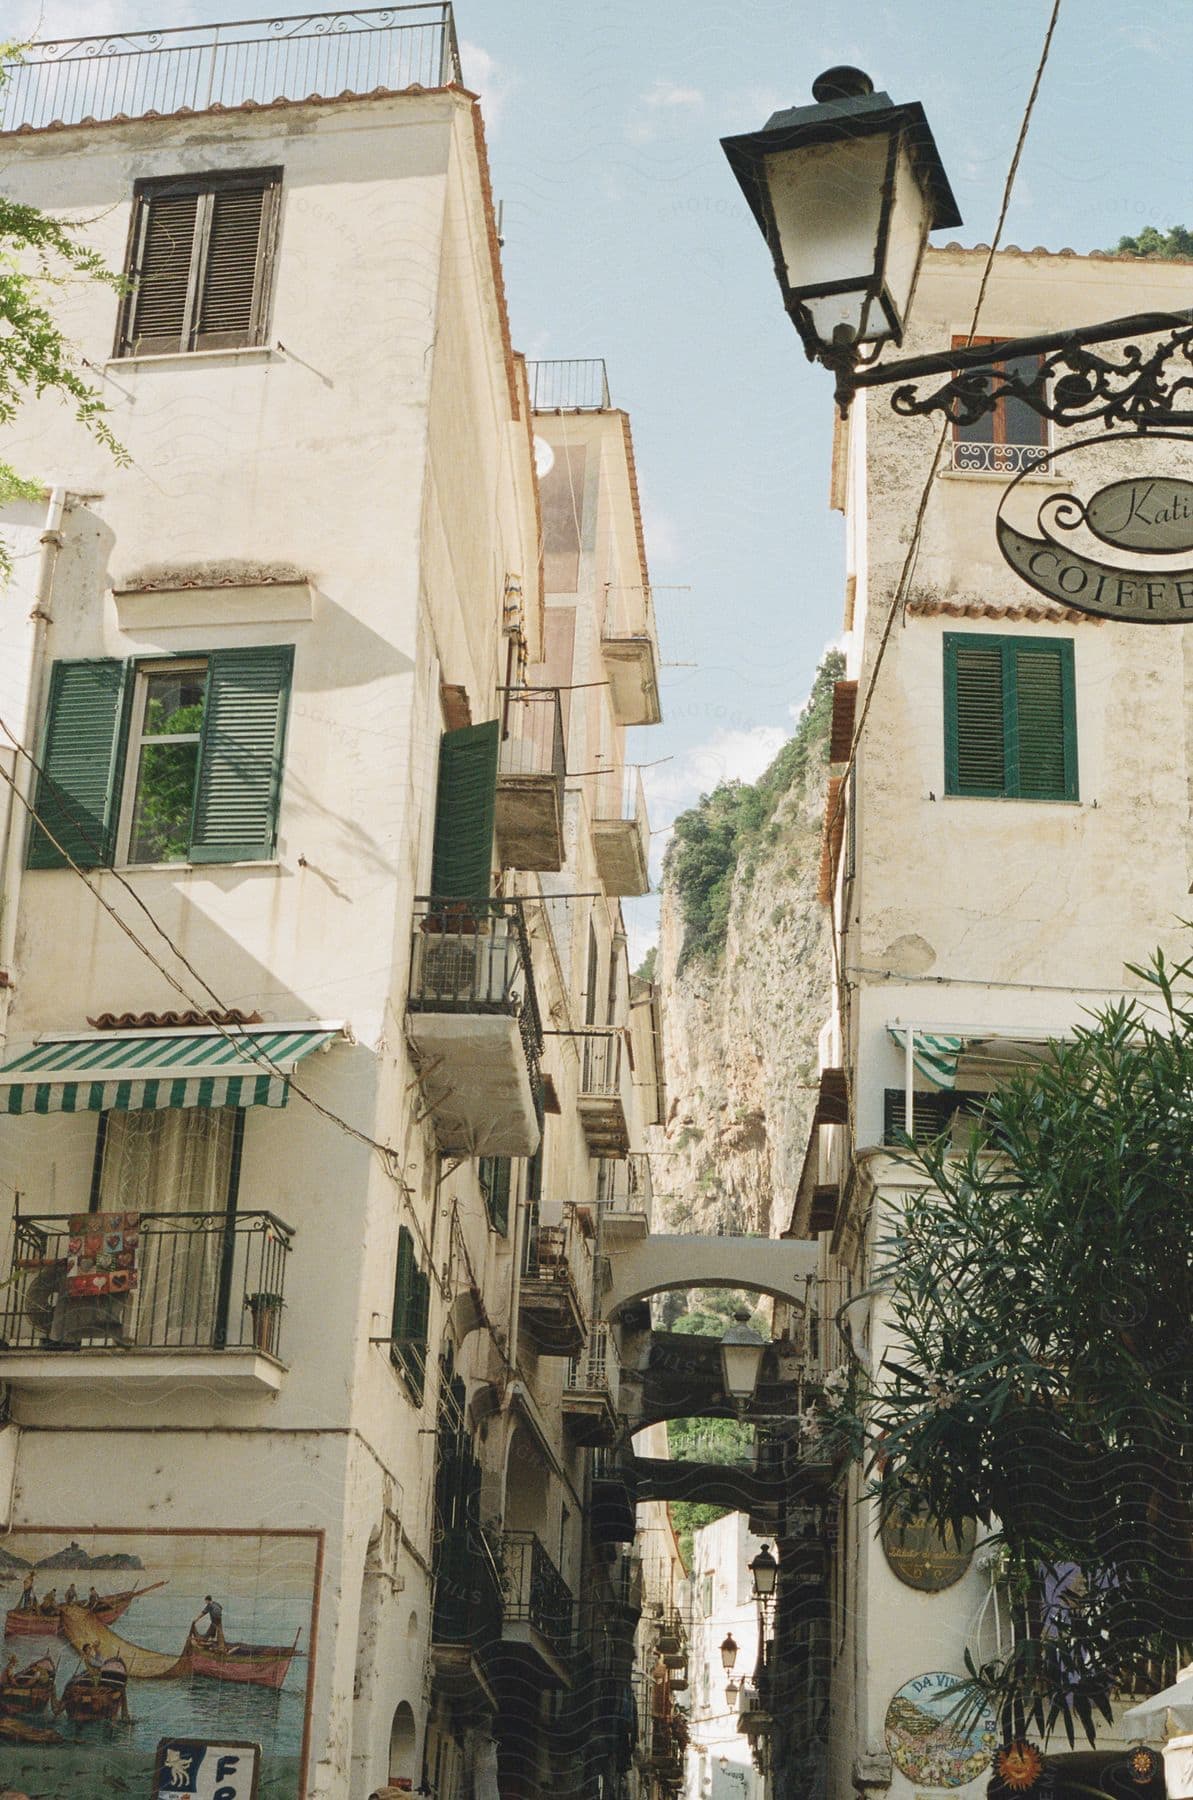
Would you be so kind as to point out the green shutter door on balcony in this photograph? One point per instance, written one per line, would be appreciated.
(78, 789)
(465, 809)
(240, 754)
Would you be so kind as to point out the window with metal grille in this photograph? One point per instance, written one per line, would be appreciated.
(1012, 435)
(935, 1113)
(1010, 717)
(199, 264)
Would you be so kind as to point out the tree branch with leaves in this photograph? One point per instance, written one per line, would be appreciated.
(39, 256)
(1039, 1290)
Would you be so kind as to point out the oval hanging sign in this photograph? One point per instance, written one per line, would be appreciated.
(924, 1557)
(1148, 514)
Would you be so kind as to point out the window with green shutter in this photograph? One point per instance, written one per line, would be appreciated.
(465, 811)
(169, 760)
(411, 1315)
(1010, 717)
(495, 1174)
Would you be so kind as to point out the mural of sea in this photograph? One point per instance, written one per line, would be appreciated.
(114, 1640)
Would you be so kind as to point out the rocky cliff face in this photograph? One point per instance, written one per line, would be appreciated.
(744, 963)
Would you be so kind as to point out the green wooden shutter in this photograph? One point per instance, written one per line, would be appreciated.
(240, 754)
(162, 277)
(403, 1286)
(975, 734)
(420, 1314)
(78, 789)
(1045, 727)
(465, 807)
(495, 1174)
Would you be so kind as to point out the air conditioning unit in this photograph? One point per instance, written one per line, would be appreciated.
(458, 966)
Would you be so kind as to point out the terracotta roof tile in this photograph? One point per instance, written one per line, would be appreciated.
(1044, 613)
(154, 1021)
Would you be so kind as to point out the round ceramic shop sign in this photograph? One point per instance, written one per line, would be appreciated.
(928, 1742)
(923, 1556)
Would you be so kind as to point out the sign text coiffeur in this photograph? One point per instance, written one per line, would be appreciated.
(1146, 516)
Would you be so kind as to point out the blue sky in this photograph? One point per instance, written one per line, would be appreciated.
(626, 237)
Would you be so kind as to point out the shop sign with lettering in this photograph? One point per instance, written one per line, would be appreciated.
(197, 1770)
(1147, 517)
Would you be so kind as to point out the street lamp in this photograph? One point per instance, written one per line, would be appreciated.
(845, 193)
(728, 1651)
(741, 1358)
(732, 1690)
(764, 1571)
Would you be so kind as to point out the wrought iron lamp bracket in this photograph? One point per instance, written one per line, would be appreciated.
(1072, 384)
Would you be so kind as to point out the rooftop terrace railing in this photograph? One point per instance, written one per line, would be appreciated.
(138, 74)
(569, 384)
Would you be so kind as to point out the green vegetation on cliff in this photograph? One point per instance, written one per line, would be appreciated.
(722, 831)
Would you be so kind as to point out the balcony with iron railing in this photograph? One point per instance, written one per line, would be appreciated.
(606, 1092)
(621, 833)
(530, 779)
(467, 1615)
(630, 649)
(612, 1512)
(590, 1390)
(146, 1300)
(473, 1019)
(626, 1199)
(556, 1272)
(537, 1609)
(569, 384)
(192, 68)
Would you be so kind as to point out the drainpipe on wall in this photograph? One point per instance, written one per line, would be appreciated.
(23, 772)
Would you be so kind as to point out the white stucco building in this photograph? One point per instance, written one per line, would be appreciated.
(325, 1078)
(719, 1761)
(1014, 833)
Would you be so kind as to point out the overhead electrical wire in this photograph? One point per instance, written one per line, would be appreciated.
(899, 598)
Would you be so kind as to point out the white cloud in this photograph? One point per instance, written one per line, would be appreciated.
(733, 754)
(486, 76)
(670, 93)
(661, 534)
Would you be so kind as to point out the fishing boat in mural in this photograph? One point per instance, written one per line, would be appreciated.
(260, 1665)
(26, 1692)
(33, 1622)
(257, 1665)
(97, 1692)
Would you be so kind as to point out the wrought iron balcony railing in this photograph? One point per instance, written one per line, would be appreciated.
(572, 384)
(140, 74)
(535, 1592)
(146, 1281)
(592, 1370)
(474, 956)
(603, 1065)
(531, 734)
(967, 457)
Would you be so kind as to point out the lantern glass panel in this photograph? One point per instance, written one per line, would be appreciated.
(827, 204)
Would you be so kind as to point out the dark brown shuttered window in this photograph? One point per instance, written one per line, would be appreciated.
(199, 263)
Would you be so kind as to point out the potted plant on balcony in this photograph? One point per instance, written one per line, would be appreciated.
(266, 1311)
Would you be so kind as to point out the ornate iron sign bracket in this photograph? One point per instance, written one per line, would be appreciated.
(1138, 387)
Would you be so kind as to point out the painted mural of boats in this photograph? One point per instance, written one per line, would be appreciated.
(24, 1693)
(32, 1622)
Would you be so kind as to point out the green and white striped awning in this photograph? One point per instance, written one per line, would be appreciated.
(144, 1071)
